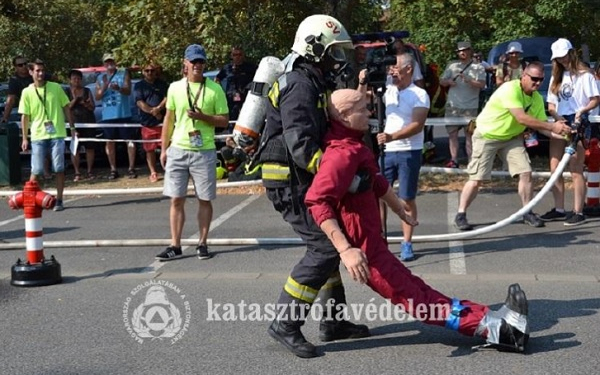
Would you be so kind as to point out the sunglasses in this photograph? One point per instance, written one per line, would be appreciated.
(535, 79)
(148, 70)
(21, 64)
(198, 61)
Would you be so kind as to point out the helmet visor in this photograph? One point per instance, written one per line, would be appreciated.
(337, 53)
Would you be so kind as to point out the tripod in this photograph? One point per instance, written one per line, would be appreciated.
(379, 91)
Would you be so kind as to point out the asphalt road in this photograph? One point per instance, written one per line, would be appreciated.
(81, 326)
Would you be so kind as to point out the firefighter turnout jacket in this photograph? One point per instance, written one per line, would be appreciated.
(295, 128)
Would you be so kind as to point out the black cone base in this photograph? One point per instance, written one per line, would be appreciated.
(591, 210)
(45, 273)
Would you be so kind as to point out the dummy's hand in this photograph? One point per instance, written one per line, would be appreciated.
(355, 262)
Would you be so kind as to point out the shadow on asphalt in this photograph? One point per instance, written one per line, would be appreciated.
(543, 315)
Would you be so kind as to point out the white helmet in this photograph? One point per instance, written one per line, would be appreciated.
(319, 34)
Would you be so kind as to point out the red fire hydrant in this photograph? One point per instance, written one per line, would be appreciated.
(36, 270)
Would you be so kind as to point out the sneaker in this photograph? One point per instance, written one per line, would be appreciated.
(202, 252)
(575, 219)
(532, 220)
(553, 215)
(406, 252)
(170, 253)
(460, 221)
(59, 205)
(451, 164)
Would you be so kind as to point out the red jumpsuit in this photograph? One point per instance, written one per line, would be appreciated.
(358, 216)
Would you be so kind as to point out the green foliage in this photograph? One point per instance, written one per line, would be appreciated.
(57, 32)
(439, 24)
(71, 33)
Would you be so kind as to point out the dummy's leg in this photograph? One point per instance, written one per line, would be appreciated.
(506, 328)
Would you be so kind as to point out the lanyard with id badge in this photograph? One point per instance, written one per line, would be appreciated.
(195, 135)
(529, 135)
(48, 124)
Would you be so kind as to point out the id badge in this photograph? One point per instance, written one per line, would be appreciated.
(50, 129)
(196, 138)
(237, 97)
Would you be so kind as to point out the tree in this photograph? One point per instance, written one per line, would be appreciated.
(440, 24)
(160, 30)
(57, 32)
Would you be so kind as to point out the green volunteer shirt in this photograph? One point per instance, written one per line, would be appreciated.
(211, 100)
(496, 121)
(45, 105)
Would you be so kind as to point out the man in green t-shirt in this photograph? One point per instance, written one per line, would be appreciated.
(515, 106)
(195, 107)
(43, 108)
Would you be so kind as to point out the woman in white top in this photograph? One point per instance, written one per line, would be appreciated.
(572, 95)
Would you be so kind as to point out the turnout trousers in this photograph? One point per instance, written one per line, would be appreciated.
(317, 270)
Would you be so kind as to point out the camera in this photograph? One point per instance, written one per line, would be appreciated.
(378, 62)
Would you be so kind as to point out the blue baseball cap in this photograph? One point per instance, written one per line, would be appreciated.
(195, 52)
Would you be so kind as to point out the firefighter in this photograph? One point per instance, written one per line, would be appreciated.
(290, 150)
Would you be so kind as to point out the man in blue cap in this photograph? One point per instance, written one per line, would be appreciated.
(195, 107)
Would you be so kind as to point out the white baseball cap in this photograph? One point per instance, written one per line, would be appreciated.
(560, 48)
(514, 47)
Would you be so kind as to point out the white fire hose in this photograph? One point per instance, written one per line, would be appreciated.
(294, 241)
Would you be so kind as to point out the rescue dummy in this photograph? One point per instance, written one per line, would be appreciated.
(364, 252)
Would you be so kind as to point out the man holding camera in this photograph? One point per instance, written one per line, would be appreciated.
(406, 108)
(464, 80)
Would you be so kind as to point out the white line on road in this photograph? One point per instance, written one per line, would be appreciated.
(156, 265)
(455, 248)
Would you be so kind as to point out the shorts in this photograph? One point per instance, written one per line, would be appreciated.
(512, 153)
(200, 165)
(404, 166)
(39, 149)
(458, 112)
(119, 132)
(149, 133)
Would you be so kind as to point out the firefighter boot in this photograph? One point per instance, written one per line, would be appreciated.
(333, 327)
(289, 335)
(341, 329)
(514, 331)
